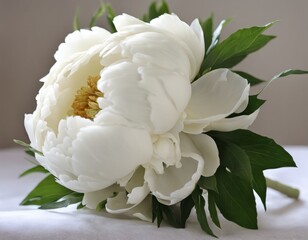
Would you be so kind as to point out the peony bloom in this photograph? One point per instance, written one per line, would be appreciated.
(119, 113)
(176, 113)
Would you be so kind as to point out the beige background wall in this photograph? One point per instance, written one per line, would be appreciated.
(31, 30)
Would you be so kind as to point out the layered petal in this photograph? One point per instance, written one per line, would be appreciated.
(119, 205)
(189, 38)
(84, 156)
(153, 92)
(80, 41)
(215, 96)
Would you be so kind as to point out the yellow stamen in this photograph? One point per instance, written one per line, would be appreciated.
(85, 102)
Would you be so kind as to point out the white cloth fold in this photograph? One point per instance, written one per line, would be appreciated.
(285, 218)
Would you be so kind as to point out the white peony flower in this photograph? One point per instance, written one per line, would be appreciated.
(119, 113)
(175, 119)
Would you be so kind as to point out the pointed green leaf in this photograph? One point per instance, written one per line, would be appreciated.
(207, 27)
(163, 8)
(235, 159)
(236, 200)
(201, 215)
(290, 72)
(47, 191)
(110, 16)
(262, 151)
(212, 208)
(64, 202)
(156, 10)
(259, 184)
(76, 21)
(157, 213)
(208, 183)
(254, 104)
(37, 168)
(171, 216)
(229, 52)
(27, 147)
(216, 34)
(251, 79)
(186, 206)
(99, 12)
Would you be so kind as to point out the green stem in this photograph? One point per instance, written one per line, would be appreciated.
(284, 189)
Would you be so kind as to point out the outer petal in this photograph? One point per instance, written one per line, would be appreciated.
(79, 41)
(119, 205)
(215, 95)
(231, 124)
(92, 199)
(87, 159)
(207, 148)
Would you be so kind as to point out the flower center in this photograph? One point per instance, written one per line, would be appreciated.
(85, 103)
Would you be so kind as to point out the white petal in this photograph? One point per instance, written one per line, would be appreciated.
(79, 41)
(231, 124)
(175, 184)
(119, 205)
(207, 147)
(191, 36)
(136, 187)
(144, 94)
(100, 145)
(188, 38)
(215, 95)
(85, 157)
(92, 199)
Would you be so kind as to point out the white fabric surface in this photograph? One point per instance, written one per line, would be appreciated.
(285, 218)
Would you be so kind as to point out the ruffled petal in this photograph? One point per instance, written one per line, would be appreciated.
(188, 38)
(153, 92)
(119, 205)
(92, 199)
(79, 41)
(86, 158)
(215, 96)
(205, 146)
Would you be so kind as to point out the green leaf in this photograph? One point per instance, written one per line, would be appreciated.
(235, 159)
(37, 168)
(254, 104)
(263, 152)
(98, 13)
(201, 215)
(207, 27)
(290, 72)
(101, 205)
(216, 34)
(251, 79)
(76, 21)
(259, 184)
(171, 215)
(186, 206)
(236, 200)
(27, 147)
(155, 11)
(47, 191)
(110, 16)
(208, 183)
(212, 208)
(157, 213)
(64, 202)
(229, 52)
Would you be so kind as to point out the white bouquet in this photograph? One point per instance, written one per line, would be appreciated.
(151, 120)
